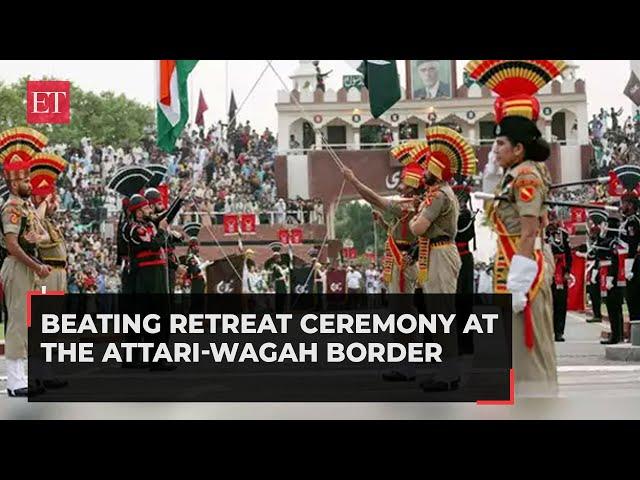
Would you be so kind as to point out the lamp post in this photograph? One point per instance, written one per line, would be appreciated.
(355, 118)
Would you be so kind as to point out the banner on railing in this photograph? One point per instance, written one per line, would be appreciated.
(349, 253)
(283, 236)
(295, 235)
(248, 224)
(230, 223)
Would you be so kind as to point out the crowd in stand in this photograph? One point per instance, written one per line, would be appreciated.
(614, 143)
(231, 171)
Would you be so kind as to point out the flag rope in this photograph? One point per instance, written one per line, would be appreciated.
(329, 149)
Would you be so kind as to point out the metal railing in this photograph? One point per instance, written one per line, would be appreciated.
(292, 217)
(335, 146)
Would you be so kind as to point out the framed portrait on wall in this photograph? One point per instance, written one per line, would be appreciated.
(430, 79)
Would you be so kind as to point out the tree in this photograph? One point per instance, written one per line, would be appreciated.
(354, 220)
(106, 118)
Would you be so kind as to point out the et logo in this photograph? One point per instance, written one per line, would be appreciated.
(48, 101)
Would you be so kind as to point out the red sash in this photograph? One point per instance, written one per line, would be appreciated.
(396, 257)
(558, 276)
(604, 273)
(507, 248)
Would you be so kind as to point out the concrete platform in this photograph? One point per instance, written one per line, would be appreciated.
(624, 352)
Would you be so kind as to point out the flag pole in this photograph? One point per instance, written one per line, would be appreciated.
(226, 83)
(375, 240)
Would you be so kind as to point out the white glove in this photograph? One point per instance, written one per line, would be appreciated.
(518, 301)
(203, 266)
(522, 273)
(609, 283)
(594, 275)
(628, 268)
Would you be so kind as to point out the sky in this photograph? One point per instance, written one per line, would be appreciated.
(605, 80)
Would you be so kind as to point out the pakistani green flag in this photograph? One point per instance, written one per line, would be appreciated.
(382, 80)
(173, 100)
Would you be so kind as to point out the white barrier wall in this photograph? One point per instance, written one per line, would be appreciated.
(571, 167)
(298, 176)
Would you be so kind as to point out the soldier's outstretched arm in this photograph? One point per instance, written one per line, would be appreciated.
(367, 194)
(171, 212)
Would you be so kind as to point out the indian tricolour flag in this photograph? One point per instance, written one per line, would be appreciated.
(173, 100)
(382, 80)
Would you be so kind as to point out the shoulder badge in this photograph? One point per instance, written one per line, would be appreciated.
(526, 194)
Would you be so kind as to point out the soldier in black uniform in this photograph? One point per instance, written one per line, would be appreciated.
(174, 238)
(127, 181)
(630, 236)
(147, 242)
(597, 221)
(122, 249)
(149, 260)
(198, 281)
(558, 240)
(196, 268)
(466, 233)
(612, 279)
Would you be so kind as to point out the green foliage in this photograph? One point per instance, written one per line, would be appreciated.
(106, 118)
(354, 220)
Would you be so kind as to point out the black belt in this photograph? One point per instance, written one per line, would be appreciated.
(55, 263)
(440, 239)
(404, 247)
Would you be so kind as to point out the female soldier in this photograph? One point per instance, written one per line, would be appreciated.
(520, 267)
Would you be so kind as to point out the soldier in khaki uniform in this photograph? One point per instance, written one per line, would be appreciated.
(45, 170)
(521, 266)
(437, 222)
(399, 271)
(21, 232)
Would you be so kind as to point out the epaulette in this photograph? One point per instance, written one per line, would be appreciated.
(11, 203)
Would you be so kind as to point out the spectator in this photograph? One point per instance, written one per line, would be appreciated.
(293, 143)
(354, 279)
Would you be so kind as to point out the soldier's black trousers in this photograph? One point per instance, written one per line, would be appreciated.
(128, 280)
(197, 286)
(559, 308)
(172, 280)
(465, 287)
(614, 310)
(596, 299)
(152, 279)
(632, 292)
